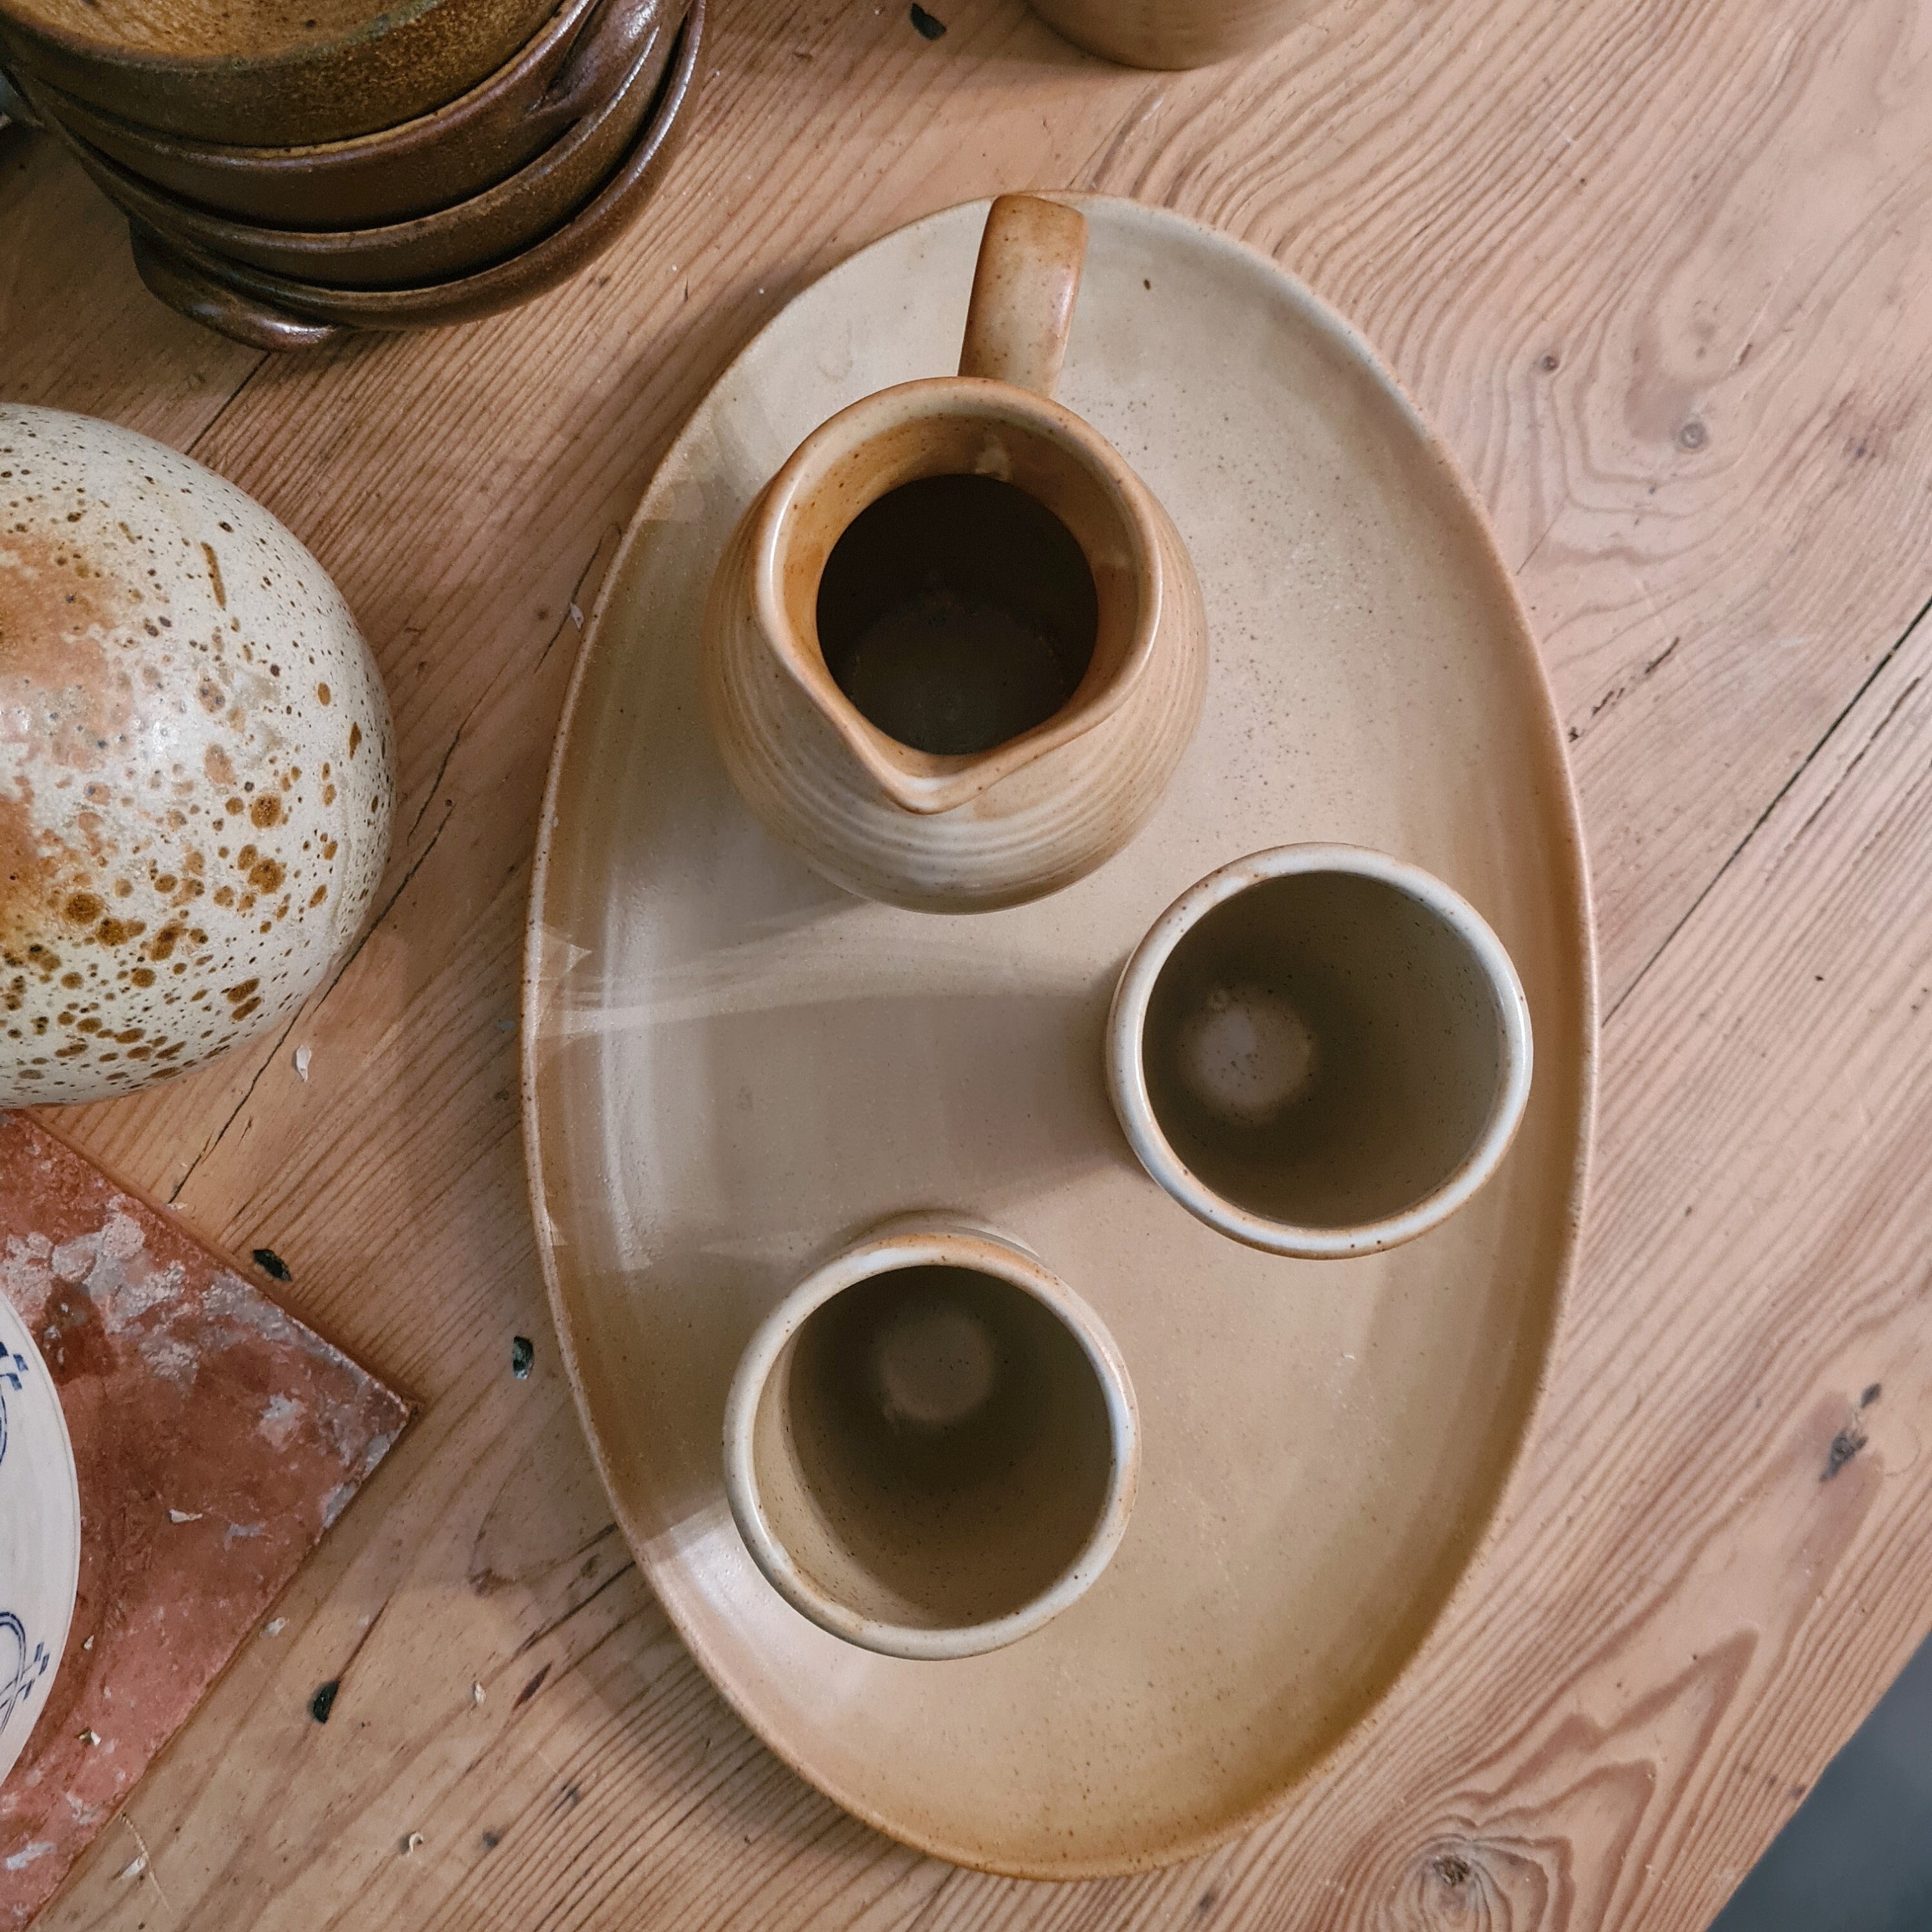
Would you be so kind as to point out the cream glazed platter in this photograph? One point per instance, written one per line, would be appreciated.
(731, 1068)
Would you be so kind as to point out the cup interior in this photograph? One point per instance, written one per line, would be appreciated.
(932, 1449)
(1324, 1049)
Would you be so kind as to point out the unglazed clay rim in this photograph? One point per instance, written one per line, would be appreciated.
(1127, 1071)
(542, 975)
(15, 1334)
(922, 780)
(884, 1253)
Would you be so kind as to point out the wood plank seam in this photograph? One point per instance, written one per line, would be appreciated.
(1798, 772)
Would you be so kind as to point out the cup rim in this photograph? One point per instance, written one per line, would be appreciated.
(927, 781)
(1126, 1072)
(917, 1242)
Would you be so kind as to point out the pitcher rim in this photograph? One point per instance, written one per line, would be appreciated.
(929, 781)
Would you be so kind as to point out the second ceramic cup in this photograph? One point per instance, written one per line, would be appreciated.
(1320, 1051)
(931, 1444)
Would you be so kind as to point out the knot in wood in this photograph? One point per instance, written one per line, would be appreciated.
(1455, 1884)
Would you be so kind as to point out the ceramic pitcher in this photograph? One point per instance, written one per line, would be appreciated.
(954, 650)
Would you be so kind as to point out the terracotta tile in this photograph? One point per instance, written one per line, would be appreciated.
(216, 1438)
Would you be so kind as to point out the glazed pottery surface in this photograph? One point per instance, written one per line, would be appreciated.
(1031, 806)
(195, 763)
(931, 1444)
(572, 66)
(272, 74)
(40, 1534)
(202, 298)
(272, 311)
(500, 222)
(731, 1066)
(1320, 1051)
(1171, 33)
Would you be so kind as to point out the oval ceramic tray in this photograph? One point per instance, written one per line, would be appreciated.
(730, 1067)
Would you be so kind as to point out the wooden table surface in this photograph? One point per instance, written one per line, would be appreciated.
(1661, 270)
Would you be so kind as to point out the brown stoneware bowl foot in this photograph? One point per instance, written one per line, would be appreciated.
(202, 299)
(13, 104)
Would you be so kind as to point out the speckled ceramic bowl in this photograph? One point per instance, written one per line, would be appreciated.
(195, 763)
(40, 1534)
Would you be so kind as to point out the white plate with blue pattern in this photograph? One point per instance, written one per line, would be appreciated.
(40, 1534)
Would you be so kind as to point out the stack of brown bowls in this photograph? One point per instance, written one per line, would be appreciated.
(291, 170)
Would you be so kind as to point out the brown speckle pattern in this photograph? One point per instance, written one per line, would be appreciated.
(176, 814)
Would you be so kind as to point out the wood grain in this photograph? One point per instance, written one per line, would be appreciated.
(1661, 277)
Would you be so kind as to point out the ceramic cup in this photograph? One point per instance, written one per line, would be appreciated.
(1320, 1051)
(40, 1534)
(931, 1444)
(956, 648)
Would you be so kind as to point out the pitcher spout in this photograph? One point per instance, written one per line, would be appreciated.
(957, 590)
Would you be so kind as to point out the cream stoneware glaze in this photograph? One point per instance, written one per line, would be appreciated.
(731, 1066)
(1320, 1051)
(195, 761)
(40, 1534)
(931, 1443)
(949, 832)
(1171, 33)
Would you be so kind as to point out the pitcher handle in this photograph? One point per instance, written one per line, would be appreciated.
(1030, 256)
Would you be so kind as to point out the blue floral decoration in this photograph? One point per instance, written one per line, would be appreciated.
(19, 1671)
(12, 1368)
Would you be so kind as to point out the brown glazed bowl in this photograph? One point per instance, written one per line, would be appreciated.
(575, 64)
(270, 311)
(488, 227)
(315, 70)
